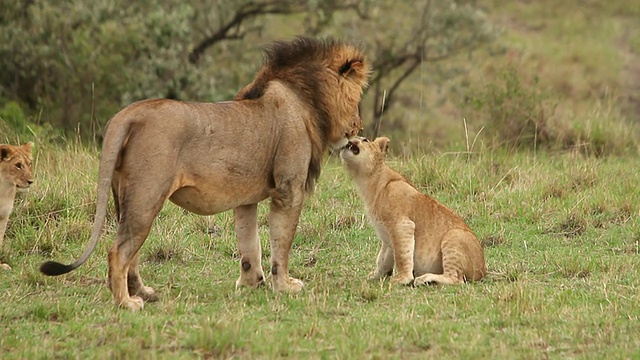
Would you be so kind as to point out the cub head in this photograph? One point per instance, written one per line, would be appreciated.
(362, 156)
(15, 165)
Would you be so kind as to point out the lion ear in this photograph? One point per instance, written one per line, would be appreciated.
(383, 144)
(5, 152)
(349, 67)
(28, 147)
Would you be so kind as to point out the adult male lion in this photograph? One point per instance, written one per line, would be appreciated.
(211, 157)
(15, 175)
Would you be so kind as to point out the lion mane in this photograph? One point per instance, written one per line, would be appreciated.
(301, 63)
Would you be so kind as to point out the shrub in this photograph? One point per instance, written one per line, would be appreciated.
(17, 128)
(511, 113)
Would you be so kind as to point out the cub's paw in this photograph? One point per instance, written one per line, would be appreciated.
(420, 281)
(5, 267)
(403, 280)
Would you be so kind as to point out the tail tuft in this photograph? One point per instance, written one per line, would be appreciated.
(53, 268)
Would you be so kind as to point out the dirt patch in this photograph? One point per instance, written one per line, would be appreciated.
(571, 227)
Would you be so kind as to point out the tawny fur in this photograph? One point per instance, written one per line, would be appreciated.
(15, 176)
(425, 240)
(211, 157)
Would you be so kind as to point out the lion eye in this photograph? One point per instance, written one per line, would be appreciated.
(365, 140)
(19, 166)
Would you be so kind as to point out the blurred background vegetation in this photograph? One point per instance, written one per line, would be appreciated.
(448, 75)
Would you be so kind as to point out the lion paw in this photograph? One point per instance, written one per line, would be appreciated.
(248, 281)
(375, 275)
(147, 293)
(5, 267)
(133, 303)
(290, 284)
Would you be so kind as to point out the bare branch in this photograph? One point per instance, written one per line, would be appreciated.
(407, 72)
(254, 10)
(244, 13)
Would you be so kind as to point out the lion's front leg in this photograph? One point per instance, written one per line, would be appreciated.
(3, 227)
(4, 219)
(384, 263)
(246, 223)
(402, 238)
(283, 220)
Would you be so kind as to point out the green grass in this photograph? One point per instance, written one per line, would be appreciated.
(560, 233)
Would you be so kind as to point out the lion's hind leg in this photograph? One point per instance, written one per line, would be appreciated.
(443, 279)
(119, 262)
(138, 210)
(452, 270)
(135, 286)
(459, 259)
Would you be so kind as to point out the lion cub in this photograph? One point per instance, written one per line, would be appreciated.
(15, 175)
(422, 237)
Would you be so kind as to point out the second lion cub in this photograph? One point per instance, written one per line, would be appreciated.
(422, 237)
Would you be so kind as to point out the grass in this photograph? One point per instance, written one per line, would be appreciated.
(559, 231)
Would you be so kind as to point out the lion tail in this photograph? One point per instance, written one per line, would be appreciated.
(115, 137)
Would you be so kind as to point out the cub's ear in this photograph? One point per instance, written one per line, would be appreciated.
(28, 147)
(383, 143)
(350, 67)
(5, 153)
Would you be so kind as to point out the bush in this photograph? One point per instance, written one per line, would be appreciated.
(510, 113)
(516, 113)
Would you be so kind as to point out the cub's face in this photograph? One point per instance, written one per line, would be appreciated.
(15, 165)
(362, 156)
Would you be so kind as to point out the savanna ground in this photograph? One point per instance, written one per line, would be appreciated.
(559, 227)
